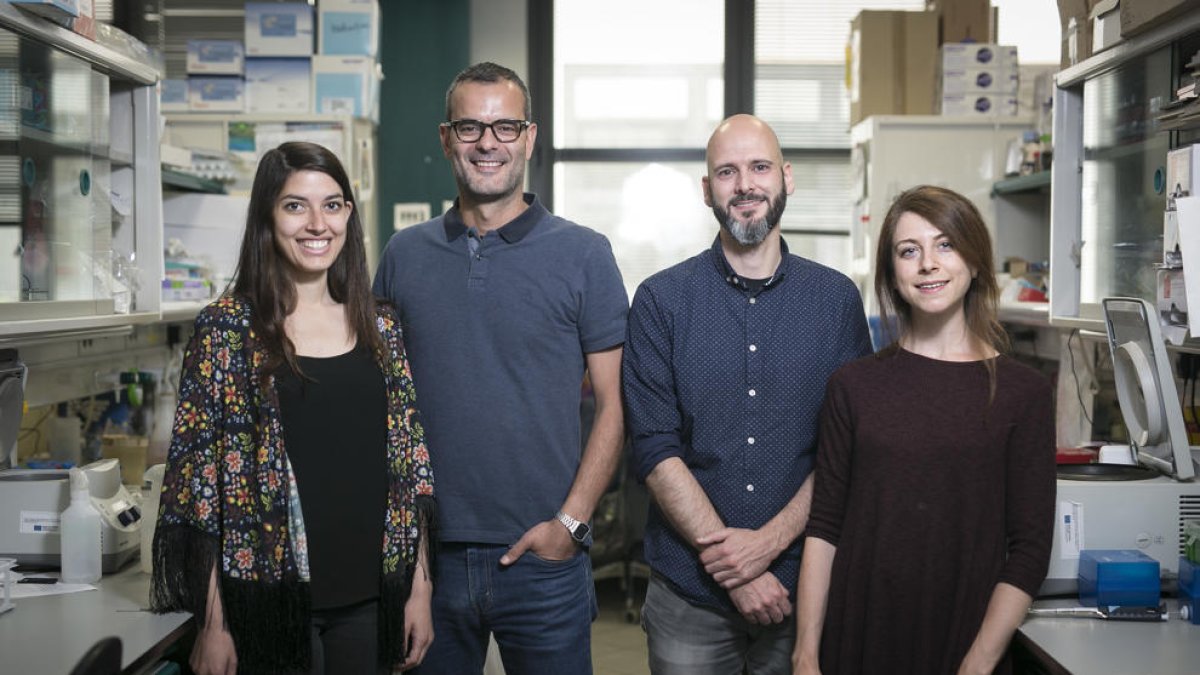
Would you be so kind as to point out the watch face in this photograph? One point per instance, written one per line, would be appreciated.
(581, 532)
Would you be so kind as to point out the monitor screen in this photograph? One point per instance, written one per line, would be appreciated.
(1146, 388)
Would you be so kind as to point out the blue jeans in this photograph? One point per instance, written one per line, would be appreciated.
(540, 611)
(685, 639)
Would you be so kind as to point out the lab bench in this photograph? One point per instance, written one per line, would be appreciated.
(49, 634)
(1080, 646)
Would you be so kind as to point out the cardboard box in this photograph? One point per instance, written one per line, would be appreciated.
(348, 28)
(981, 81)
(1106, 25)
(963, 20)
(979, 105)
(960, 55)
(893, 64)
(279, 85)
(279, 29)
(85, 23)
(346, 85)
(1076, 31)
(216, 93)
(215, 57)
(1139, 16)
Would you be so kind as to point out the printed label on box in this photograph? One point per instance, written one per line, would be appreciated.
(39, 522)
(277, 25)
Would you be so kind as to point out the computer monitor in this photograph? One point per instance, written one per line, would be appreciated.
(1146, 388)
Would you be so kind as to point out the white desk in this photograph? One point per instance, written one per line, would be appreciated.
(48, 635)
(1098, 647)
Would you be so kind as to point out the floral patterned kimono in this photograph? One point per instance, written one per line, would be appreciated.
(229, 496)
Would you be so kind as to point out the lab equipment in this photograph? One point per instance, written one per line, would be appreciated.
(6, 565)
(1106, 506)
(12, 405)
(1113, 613)
(153, 476)
(34, 498)
(1113, 578)
(79, 533)
(1189, 590)
(1145, 387)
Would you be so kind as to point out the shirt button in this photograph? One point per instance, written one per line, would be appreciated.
(752, 301)
(750, 488)
(750, 440)
(753, 348)
(752, 392)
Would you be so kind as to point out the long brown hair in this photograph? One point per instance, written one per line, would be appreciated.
(262, 275)
(960, 221)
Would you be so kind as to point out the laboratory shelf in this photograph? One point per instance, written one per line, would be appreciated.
(1039, 181)
(186, 181)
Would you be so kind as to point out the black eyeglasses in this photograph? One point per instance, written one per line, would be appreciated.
(470, 131)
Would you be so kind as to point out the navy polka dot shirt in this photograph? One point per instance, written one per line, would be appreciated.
(729, 376)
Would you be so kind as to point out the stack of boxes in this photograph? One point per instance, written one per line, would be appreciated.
(275, 69)
(978, 79)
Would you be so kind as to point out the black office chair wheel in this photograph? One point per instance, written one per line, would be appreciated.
(104, 658)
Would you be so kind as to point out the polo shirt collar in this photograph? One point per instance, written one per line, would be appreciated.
(733, 279)
(511, 232)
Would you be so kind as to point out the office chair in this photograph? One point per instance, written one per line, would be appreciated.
(104, 658)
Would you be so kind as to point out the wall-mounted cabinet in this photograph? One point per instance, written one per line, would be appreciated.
(80, 197)
(1110, 156)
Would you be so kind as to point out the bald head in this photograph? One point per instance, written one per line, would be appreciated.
(740, 134)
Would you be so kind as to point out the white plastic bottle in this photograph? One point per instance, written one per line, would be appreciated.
(79, 530)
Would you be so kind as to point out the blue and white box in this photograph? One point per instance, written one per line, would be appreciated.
(278, 85)
(173, 96)
(348, 28)
(215, 57)
(55, 10)
(279, 29)
(978, 105)
(959, 55)
(216, 93)
(346, 85)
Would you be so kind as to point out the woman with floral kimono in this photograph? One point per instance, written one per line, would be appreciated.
(296, 515)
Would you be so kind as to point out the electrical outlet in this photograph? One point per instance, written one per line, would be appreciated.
(408, 214)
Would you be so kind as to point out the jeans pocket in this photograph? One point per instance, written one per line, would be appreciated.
(554, 563)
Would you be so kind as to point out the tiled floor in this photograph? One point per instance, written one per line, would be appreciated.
(618, 646)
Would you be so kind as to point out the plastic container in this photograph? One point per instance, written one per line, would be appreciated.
(154, 476)
(1189, 590)
(1124, 577)
(66, 437)
(80, 534)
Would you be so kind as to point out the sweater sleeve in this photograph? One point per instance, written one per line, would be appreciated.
(1029, 491)
(835, 446)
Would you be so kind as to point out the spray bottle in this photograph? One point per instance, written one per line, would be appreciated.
(79, 531)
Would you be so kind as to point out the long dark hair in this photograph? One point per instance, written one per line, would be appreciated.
(963, 226)
(262, 275)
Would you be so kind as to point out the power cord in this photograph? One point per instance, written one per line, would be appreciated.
(1075, 374)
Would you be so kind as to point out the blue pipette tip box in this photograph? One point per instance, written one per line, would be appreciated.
(1118, 578)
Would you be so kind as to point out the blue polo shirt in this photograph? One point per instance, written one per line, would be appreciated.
(729, 377)
(496, 329)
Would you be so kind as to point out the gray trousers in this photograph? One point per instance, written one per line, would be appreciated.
(688, 640)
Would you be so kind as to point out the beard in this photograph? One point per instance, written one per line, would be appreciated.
(752, 232)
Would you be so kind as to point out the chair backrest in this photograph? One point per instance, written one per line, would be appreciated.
(104, 658)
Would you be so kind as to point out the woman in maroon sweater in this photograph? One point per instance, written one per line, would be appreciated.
(933, 507)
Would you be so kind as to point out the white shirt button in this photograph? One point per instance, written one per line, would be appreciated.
(753, 348)
(750, 488)
(753, 393)
(750, 440)
(752, 301)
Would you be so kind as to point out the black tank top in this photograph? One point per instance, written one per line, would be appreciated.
(335, 434)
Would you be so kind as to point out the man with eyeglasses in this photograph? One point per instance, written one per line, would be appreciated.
(503, 307)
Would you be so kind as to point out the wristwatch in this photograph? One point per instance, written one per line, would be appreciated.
(579, 530)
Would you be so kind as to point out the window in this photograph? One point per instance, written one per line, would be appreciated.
(638, 87)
